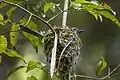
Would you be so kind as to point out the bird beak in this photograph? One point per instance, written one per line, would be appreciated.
(80, 31)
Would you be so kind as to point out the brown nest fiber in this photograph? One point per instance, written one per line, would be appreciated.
(68, 50)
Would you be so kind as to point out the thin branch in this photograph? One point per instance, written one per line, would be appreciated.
(24, 28)
(62, 53)
(103, 78)
(109, 72)
(112, 71)
(13, 4)
(29, 19)
(56, 15)
(57, 5)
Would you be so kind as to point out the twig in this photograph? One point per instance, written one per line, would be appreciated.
(94, 78)
(109, 72)
(24, 28)
(29, 19)
(20, 28)
(57, 5)
(112, 71)
(57, 15)
(62, 53)
(13, 4)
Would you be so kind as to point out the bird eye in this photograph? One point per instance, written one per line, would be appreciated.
(74, 29)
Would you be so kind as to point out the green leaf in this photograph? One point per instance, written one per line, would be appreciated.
(31, 78)
(15, 1)
(3, 21)
(0, 59)
(34, 40)
(101, 65)
(32, 65)
(3, 43)
(2, 5)
(14, 70)
(14, 35)
(1, 17)
(48, 6)
(78, 1)
(99, 9)
(33, 32)
(91, 6)
(53, 9)
(10, 11)
(12, 53)
(110, 16)
(6, 21)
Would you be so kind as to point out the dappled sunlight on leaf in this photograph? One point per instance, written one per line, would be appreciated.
(32, 65)
(3, 43)
(14, 35)
(12, 53)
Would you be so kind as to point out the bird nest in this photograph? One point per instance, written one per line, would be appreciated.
(68, 50)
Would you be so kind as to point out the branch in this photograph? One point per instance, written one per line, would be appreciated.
(29, 19)
(62, 53)
(103, 78)
(57, 15)
(53, 56)
(13, 4)
(65, 13)
(25, 29)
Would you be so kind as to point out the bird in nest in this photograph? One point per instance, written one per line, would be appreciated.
(68, 50)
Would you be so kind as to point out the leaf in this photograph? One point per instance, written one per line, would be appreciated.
(110, 16)
(32, 65)
(101, 65)
(14, 70)
(95, 15)
(6, 18)
(0, 59)
(10, 11)
(90, 6)
(14, 35)
(48, 6)
(2, 5)
(53, 58)
(1, 19)
(31, 78)
(53, 9)
(99, 9)
(6, 21)
(34, 40)
(12, 53)
(33, 32)
(3, 43)
(78, 1)
(15, 1)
